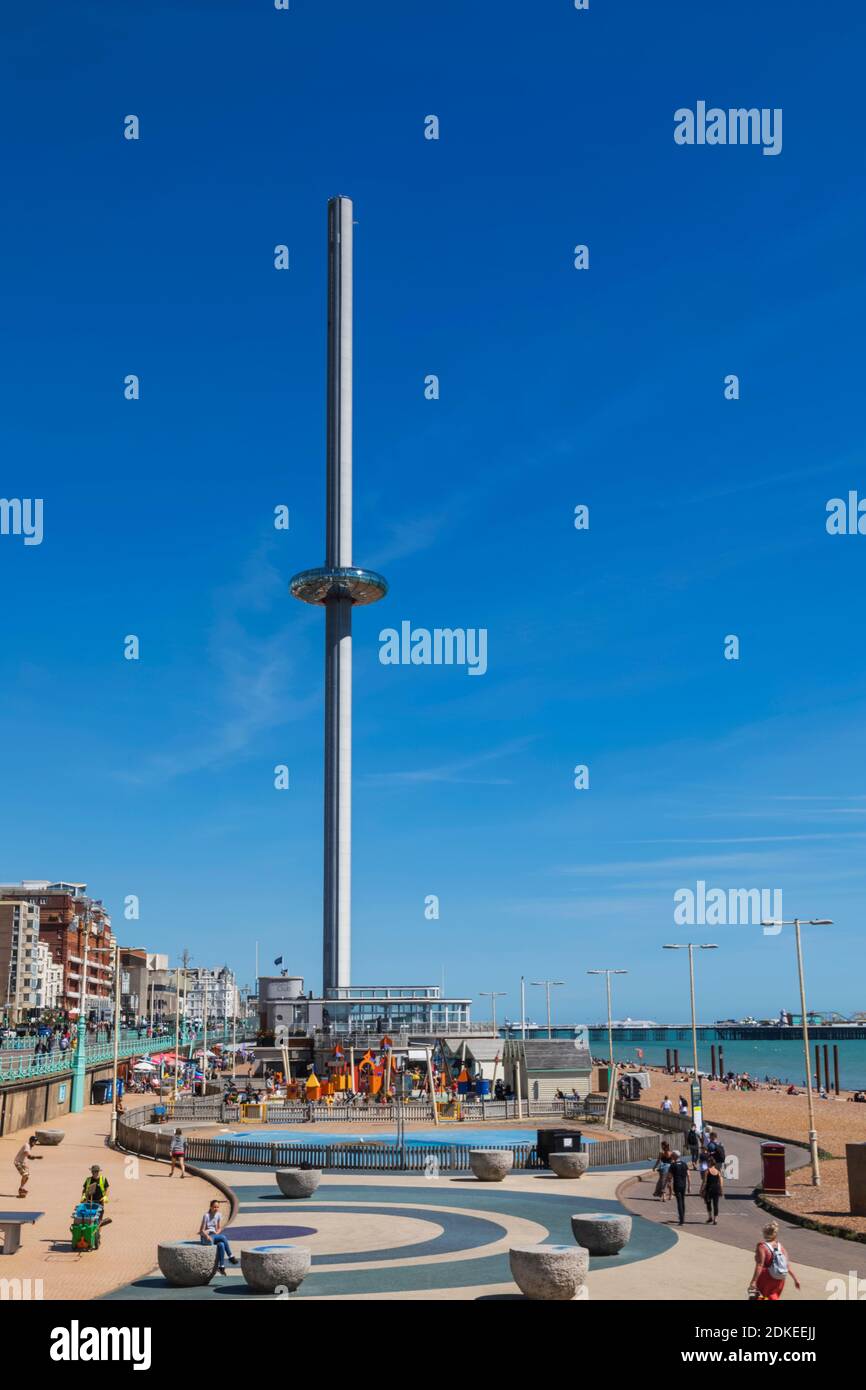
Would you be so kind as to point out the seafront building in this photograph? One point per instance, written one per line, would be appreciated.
(19, 958)
(357, 1010)
(210, 994)
(73, 926)
(49, 991)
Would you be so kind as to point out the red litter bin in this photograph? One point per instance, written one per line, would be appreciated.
(773, 1169)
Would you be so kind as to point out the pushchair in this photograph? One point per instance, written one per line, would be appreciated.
(86, 1221)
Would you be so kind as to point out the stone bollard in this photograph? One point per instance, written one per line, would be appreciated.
(568, 1165)
(491, 1165)
(298, 1182)
(187, 1263)
(601, 1233)
(267, 1268)
(50, 1136)
(551, 1272)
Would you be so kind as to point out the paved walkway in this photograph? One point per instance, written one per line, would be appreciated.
(447, 1238)
(144, 1205)
(740, 1219)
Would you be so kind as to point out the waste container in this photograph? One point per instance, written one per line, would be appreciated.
(773, 1168)
(557, 1141)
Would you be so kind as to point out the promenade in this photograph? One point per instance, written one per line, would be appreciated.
(399, 1237)
(144, 1205)
(740, 1218)
(442, 1237)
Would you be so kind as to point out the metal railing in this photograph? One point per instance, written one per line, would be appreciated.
(428, 1157)
(665, 1122)
(53, 1063)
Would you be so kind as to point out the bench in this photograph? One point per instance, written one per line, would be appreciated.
(10, 1228)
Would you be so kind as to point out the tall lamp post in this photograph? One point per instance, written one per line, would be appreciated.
(492, 995)
(610, 1069)
(177, 975)
(796, 923)
(548, 985)
(204, 981)
(115, 1059)
(79, 1076)
(691, 947)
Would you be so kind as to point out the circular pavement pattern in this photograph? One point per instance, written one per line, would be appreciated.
(240, 1235)
(372, 1241)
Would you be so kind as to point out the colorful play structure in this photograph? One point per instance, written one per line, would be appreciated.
(378, 1075)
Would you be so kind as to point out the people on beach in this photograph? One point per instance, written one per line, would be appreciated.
(210, 1233)
(177, 1153)
(680, 1183)
(713, 1190)
(771, 1266)
(22, 1163)
(667, 1106)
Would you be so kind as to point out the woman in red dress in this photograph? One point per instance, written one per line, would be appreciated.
(771, 1266)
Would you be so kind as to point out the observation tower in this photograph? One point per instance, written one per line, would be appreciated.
(338, 587)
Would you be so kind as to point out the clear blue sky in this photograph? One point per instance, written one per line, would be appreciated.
(558, 387)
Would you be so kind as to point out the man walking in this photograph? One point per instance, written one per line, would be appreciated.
(681, 1183)
(22, 1163)
(693, 1144)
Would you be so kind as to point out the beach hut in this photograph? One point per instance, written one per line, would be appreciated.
(313, 1087)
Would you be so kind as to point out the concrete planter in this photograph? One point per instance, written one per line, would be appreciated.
(187, 1263)
(568, 1165)
(491, 1165)
(49, 1137)
(551, 1272)
(601, 1233)
(267, 1268)
(298, 1182)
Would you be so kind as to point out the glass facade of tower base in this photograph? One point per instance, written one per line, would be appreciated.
(392, 1009)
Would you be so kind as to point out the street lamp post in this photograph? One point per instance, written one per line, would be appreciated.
(610, 1069)
(492, 995)
(177, 1030)
(691, 947)
(114, 1067)
(204, 981)
(796, 923)
(547, 985)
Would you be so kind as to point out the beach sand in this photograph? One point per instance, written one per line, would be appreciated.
(827, 1205)
(837, 1121)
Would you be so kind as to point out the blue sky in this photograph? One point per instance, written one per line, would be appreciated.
(558, 387)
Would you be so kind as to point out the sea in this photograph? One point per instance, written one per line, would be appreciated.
(783, 1059)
